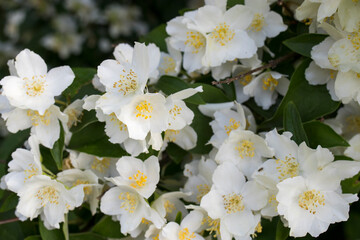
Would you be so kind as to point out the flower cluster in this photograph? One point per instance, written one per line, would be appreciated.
(167, 155)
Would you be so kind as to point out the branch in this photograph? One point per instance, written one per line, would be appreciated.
(9, 221)
(271, 64)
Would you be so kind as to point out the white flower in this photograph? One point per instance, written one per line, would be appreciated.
(145, 113)
(199, 184)
(129, 207)
(265, 88)
(232, 200)
(141, 176)
(170, 63)
(245, 149)
(186, 230)
(34, 88)
(186, 138)
(226, 37)
(126, 76)
(354, 150)
(86, 181)
(349, 119)
(41, 195)
(24, 165)
(310, 205)
(265, 23)
(46, 126)
(74, 112)
(168, 205)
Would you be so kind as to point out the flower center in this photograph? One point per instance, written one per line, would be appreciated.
(195, 40)
(144, 109)
(139, 179)
(37, 119)
(287, 168)
(269, 83)
(257, 23)
(127, 82)
(203, 189)
(170, 135)
(214, 226)
(355, 40)
(184, 234)
(129, 201)
(87, 189)
(222, 34)
(311, 200)
(31, 171)
(35, 86)
(169, 207)
(101, 165)
(245, 148)
(122, 126)
(232, 126)
(246, 80)
(176, 110)
(233, 203)
(353, 123)
(48, 195)
(168, 65)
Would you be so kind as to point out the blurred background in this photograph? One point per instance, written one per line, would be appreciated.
(79, 33)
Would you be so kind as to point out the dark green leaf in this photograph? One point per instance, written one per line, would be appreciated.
(351, 232)
(108, 228)
(312, 101)
(211, 94)
(55, 234)
(47, 160)
(169, 85)
(86, 118)
(8, 202)
(157, 36)
(341, 157)
(282, 232)
(93, 140)
(86, 236)
(303, 43)
(176, 153)
(231, 3)
(33, 238)
(83, 76)
(323, 135)
(11, 143)
(11, 231)
(293, 124)
(351, 185)
(229, 90)
(202, 129)
(58, 148)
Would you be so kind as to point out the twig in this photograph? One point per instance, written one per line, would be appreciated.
(271, 64)
(9, 221)
(286, 7)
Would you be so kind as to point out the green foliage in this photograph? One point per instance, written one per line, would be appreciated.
(11, 143)
(312, 101)
(351, 185)
(178, 217)
(323, 135)
(106, 227)
(58, 148)
(93, 140)
(303, 43)
(211, 94)
(176, 153)
(55, 234)
(157, 36)
(231, 3)
(8, 202)
(83, 76)
(293, 124)
(282, 232)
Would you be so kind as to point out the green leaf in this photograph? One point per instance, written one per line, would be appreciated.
(203, 130)
(211, 94)
(86, 236)
(170, 85)
(342, 157)
(351, 185)
(157, 36)
(312, 101)
(55, 234)
(8, 202)
(83, 76)
(86, 118)
(47, 160)
(108, 228)
(303, 43)
(93, 140)
(350, 226)
(12, 141)
(178, 217)
(58, 148)
(176, 153)
(323, 135)
(231, 3)
(293, 124)
(37, 237)
(282, 232)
